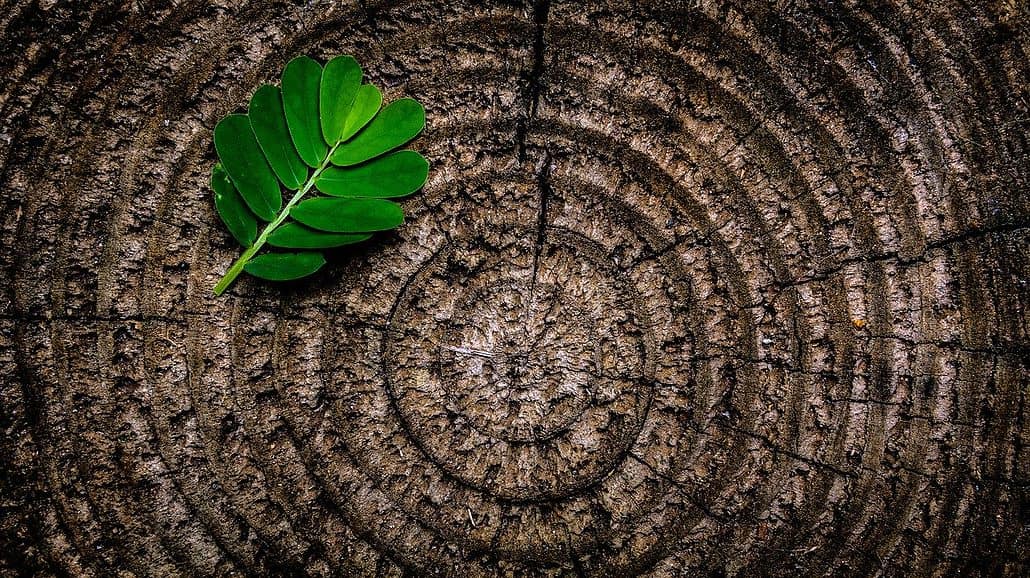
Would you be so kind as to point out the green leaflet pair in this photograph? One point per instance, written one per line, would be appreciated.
(322, 131)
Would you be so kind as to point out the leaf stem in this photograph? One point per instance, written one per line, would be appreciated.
(237, 266)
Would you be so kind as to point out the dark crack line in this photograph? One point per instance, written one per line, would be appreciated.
(776, 449)
(894, 257)
(577, 564)
(544, 183)
(541, 8)
(681, 488)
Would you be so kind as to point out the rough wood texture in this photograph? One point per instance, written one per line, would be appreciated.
(712, 289)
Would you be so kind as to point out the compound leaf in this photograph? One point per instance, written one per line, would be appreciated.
(245, 164)
(268, 120)
(285, 134)
(341, 78)
(285, 266)
(394, 175)
(348, 215)
(301, 79)
(231, 208)
(395, 125)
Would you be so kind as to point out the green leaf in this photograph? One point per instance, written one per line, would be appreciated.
(285, 266)
(348, 215)
(268, 120)
(246, 166)
(288, 132)
(301, 80)
(366, 104)
(231, 208)
(340, 81)
(393, 175)
(297, 236)
(398, 123)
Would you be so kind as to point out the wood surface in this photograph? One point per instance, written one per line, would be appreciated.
(694, 289)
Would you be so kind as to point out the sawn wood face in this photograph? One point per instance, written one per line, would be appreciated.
(693, 289)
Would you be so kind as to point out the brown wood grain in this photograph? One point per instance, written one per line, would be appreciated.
(694, 289)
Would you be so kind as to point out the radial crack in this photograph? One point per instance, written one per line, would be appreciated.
(544, 184)
(541, 8)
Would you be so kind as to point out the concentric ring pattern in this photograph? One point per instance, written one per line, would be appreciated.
(694, 288)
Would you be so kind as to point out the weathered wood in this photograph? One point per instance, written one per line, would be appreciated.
(694, 289)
